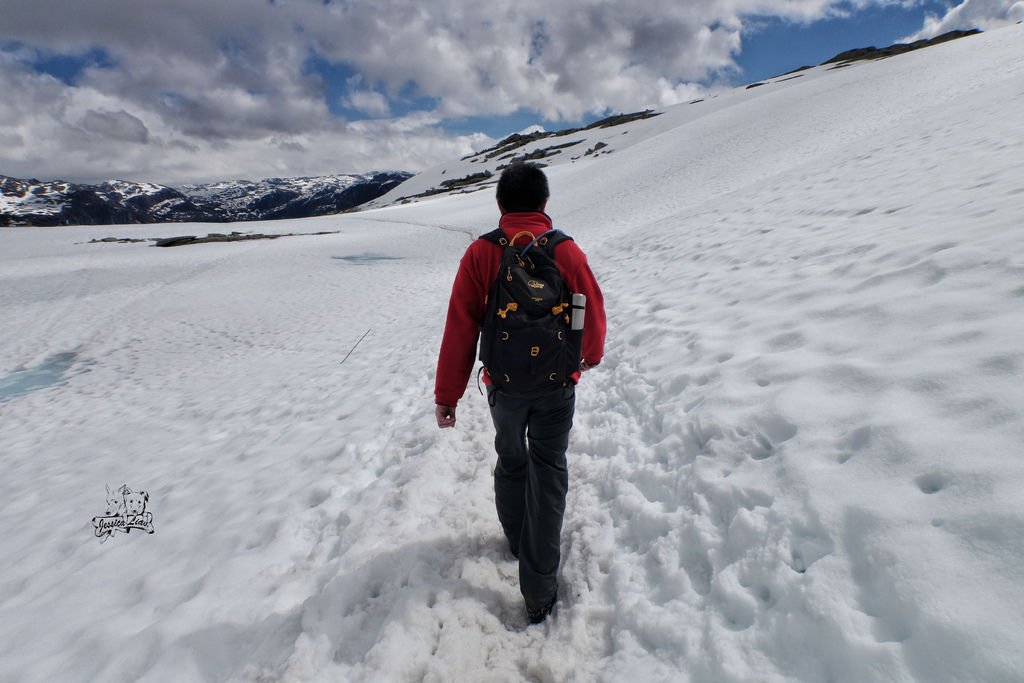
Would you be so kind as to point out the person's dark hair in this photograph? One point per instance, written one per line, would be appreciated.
(522, 187)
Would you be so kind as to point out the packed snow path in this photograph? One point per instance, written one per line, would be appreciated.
(799, 460)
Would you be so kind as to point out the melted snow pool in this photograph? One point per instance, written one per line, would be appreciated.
(51, 372)
(366, 258)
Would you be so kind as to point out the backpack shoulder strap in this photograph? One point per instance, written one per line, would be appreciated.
(497, 236)
(556, 237)
(548, 241)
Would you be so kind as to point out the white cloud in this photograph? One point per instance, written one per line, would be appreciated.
(54, 131)
(197, 89)
(983, 14)
(368, 102)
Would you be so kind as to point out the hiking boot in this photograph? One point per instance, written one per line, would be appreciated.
(536, 615)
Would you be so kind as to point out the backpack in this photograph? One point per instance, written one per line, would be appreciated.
(527, 345)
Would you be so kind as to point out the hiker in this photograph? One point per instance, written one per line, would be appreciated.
(532, 424)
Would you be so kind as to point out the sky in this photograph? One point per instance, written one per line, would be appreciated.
(193, 91)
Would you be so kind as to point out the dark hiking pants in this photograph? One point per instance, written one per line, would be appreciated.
(530, 482)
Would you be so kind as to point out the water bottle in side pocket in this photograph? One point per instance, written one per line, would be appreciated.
(579, 310)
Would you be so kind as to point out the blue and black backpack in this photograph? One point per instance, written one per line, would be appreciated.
(527, 345)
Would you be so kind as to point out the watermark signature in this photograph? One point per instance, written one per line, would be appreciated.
(126, 510)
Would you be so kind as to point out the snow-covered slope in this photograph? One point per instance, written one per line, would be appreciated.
(479, 171)
(800, 459)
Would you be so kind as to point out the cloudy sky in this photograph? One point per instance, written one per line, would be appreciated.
(193, 90)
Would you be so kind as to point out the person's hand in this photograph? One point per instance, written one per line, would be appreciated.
(445, 416)
(584, 365)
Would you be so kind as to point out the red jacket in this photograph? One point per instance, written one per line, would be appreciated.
(477, 271)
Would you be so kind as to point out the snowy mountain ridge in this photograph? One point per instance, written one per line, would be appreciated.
(32, 202)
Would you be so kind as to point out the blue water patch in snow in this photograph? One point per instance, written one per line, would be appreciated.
(367, 257)
(50, 372)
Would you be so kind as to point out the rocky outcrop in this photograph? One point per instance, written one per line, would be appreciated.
(863, 53)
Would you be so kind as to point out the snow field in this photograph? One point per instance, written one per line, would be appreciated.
(798, 461)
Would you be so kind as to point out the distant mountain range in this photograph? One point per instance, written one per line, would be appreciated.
(56, 202)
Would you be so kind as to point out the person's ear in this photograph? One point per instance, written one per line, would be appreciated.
(501, 208)
(543, 205)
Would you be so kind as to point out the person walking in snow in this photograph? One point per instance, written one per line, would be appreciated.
(532, 427)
